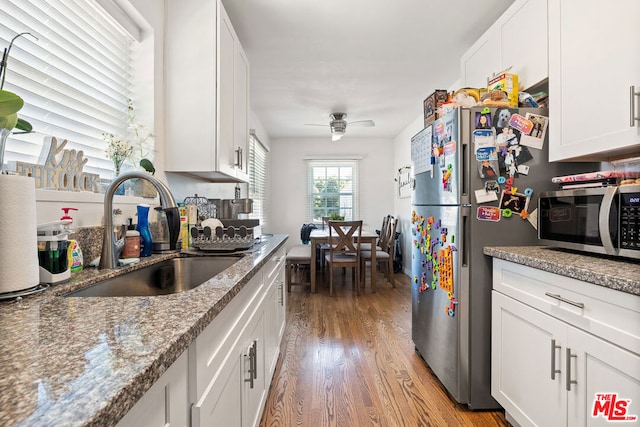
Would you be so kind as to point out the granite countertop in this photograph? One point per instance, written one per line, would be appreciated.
(87, 361)
(619, 274)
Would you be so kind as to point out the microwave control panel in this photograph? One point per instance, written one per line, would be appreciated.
(630, 221)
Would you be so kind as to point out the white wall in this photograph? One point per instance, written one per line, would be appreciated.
(289, 180)
(402, 207)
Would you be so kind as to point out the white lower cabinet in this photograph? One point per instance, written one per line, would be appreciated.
(232, 360)
(165, 404)
(275, 317)
(254, 374)
(224, 377)
(558, 343)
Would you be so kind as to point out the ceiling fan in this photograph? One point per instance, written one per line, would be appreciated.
(338, 125)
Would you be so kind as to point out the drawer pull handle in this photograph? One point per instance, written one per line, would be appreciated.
(568, 301)
(632, 99)
(569, 380)
(554, 371)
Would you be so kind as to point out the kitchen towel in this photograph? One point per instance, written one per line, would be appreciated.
(19, 268)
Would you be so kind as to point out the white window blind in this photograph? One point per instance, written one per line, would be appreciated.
(258, 179)
(74, 79)
(332, 189)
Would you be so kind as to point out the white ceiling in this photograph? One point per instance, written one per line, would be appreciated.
(371, 59)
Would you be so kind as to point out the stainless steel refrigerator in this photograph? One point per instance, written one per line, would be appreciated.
(477, 176)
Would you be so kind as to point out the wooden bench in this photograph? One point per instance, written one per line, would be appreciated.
(297, 255)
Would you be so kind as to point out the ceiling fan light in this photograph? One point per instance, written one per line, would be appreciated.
(338, 126)
(336, 136)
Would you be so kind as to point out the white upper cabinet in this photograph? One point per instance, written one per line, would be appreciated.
(482, 59)
(207, 97)
(594, 60)
(517, 39)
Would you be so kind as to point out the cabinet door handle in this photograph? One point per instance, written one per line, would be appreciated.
(281, 288)
(569, 380)
(239, 158)
(251, 355)
(560, 298)
(255, 359)
(632, 108)
(554, 371)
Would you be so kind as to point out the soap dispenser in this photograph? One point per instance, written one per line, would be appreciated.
(131, 242)
(74, 253)
(146, 242)
(53, 252)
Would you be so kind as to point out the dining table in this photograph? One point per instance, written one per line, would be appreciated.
(321, 236)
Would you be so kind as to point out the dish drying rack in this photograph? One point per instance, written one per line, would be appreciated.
(222, 239)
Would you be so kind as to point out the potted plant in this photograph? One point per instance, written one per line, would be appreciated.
(135, 149)
(10, 104)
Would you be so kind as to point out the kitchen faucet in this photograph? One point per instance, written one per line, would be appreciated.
(111, 247)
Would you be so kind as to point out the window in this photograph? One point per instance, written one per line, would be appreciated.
(333, 189)
(258, 178)
(74, 79)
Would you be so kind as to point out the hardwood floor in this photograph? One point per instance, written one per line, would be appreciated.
(349, 361)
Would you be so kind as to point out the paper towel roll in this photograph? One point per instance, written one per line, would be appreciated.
(18, 234)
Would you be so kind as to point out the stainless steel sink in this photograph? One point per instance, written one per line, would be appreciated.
(167, 277)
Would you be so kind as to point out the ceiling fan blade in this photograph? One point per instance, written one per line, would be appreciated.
(366, 123)
(315, 124)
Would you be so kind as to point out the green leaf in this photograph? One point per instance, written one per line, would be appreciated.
(24, 126)
(148, 166)
(10, 103)
(9, 121)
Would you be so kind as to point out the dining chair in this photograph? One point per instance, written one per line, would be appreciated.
(384, 255)
(323, 248)
(367, 246)
(344, 240)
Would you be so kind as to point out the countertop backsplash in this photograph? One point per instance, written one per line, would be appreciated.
(90, 241)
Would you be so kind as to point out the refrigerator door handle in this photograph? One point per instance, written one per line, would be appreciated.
(464, 175)
(464, 228)
(465, 126)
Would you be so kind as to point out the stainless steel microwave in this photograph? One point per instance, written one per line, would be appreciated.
(601, 220)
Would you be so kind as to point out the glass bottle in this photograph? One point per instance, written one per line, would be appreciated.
(146, 242)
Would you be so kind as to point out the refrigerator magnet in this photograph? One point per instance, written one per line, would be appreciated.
(488, 169)
(492, 185)
(484, 196)
(484, 138)
(521, 123)
(488, 213)
(535, 138)
(483, 120)
(516, 202)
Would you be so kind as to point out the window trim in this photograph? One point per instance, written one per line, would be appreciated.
(258, 192)
(326, 162)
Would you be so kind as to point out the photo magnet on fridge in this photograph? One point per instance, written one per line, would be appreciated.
(483, 120)
(535, 138)
(516, 202)
(484, 196)
(488, 169)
